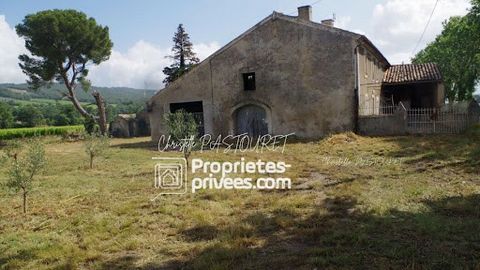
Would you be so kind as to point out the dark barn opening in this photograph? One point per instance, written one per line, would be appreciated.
(419, 95)
(249, 81)
(195, 108)
(143, 128)
(415, 85)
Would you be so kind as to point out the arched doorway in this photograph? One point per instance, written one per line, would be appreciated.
(252, 120)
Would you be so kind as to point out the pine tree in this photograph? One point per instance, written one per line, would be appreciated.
(183, 56)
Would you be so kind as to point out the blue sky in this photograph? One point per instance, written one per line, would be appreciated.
(142, 30)
(206, 21)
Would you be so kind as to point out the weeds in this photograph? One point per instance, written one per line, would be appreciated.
(419, 213)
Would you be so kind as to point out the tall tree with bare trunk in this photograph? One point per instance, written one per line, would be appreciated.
(62, 44)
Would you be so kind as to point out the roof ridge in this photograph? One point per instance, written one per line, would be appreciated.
(274, 15)
(223, 48)
(414, 64)
(315, 24)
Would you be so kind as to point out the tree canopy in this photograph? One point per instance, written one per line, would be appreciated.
(62, 44)
(6, 115)
(457, 52)
(183, 56)
(61, 41)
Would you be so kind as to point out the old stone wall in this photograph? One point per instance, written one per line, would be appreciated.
(383, 125)
(305, 80)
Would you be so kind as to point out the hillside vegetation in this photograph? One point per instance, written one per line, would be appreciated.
(114, 95)
(22, 107)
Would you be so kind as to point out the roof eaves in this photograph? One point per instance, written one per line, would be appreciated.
(410, 82)
(365, 40)
(412, 73)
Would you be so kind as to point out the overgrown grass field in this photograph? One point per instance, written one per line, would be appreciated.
(355, 203)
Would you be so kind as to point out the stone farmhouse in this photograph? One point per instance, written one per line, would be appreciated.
(288, 74)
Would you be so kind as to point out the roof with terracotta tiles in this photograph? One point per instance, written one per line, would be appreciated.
(412, 73)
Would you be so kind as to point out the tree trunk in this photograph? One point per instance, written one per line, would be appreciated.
(24, 201)
(102, 116)
(186, 155)
(70, 85)
(71, 95)
(91, 161)
(79, 107)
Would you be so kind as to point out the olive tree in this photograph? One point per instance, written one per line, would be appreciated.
(62, 44)
(24, 168)
(96, 145)
(183, 130)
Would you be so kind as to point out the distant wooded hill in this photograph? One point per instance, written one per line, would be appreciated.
(113, 95)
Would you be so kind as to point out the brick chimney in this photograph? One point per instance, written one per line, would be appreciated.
(305, 13)
(328, 22)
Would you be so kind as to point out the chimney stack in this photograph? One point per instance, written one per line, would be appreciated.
(329, 22)
(305, 13)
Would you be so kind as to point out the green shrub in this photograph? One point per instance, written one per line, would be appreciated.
(91, 126)
(30, 115)
(182, 127)
(95, 145)
(23, 169)
(6, 115)
(6, 134)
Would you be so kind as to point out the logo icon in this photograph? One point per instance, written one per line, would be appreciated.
(170, 175)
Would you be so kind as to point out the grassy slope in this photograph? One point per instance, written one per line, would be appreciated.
(420, 212)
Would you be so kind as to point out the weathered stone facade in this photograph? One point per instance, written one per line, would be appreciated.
(305, 79)
(130, 125)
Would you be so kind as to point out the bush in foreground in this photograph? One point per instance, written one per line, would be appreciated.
(23, 169)
(96, 145)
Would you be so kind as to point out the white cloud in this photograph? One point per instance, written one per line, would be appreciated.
(358, 31)
(11, 46)
(398, 24)
(343, 22)
(141, 66)
(205, 50)
(395, 27)
(399, 57)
